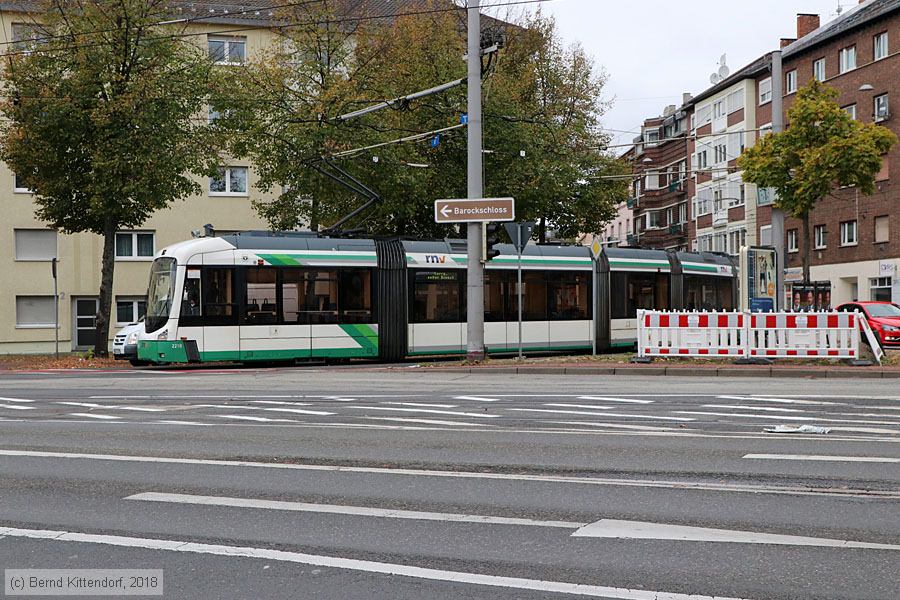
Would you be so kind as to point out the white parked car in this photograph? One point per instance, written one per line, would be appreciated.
(125, 343)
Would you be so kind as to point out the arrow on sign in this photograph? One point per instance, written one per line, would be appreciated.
(445, 211)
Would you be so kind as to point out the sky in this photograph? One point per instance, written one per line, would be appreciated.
(653, 50)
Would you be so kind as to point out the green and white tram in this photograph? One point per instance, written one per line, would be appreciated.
(263, 296)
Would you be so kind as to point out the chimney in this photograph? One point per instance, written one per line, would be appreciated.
(806, 24)
(685, 98)
(787, 41)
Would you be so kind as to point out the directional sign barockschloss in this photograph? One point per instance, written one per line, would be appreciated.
(484, 210)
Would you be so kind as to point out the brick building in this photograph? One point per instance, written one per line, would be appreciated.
(856, 239)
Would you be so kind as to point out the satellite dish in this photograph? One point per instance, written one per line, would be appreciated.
(724, 71)
(714, 78)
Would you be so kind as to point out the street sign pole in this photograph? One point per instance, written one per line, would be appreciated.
(520, 299)
(475, 269)
(55, 306)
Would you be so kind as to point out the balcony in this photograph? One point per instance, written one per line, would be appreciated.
(631, 240)
(720, 217)
(676, 229)
(631, 203)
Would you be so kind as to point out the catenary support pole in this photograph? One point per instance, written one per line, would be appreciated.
(475, 280)
(521, 296)
(777, 213)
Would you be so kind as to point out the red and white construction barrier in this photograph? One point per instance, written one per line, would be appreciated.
(747, 335)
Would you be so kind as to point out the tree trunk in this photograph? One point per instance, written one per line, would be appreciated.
(807, 248)
(108, 261)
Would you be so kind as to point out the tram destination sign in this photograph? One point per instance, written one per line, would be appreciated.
(484, 210)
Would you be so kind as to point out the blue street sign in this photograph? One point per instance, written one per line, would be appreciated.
(435, 141)
(464, 119)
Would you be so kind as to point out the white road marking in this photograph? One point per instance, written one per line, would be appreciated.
(476, 398)
(257, 419)
(867, 430)
(607, 399)
(84, 404)
(422, 404)
(759, 408)
(784, 417)
(338, 509)
(637, 530)
(172, 422)
(16, 407)
(427, 410)
(427, 421)
(778, 400)
(556, 479)
(300, 411)
(823, 458)
(137, 408)
(190, 397)
(616, 426)
(5, 399)
(588, 406)
(93, 416)
(599, 414)
(280, 403)
(356, 565)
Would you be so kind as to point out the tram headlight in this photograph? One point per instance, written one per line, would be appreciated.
(164, 335)
(132, 339)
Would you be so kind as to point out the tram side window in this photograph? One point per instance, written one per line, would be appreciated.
(191, 314)
(569, 295)
(310, 297)
(218, 306)
(632, 291)
(438, 297)
(708, 293)
(534, 290)
(497, 286)
(355, 287)
(261, 302)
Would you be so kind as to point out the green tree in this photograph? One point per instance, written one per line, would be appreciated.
(823, 148)
(541, 100)
(103, 120)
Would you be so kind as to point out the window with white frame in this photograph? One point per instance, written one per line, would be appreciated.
(737, 238)
(880, 46)
(882, 229)
(765, 130)
(227, 50)
(849, 234)
(765, 235)
(230, 181)
(20, 187)
(721, 153)
(705, 242)
(880, 289)
(765, 91)
(717, 199)
(702, 159)
(682, 212)
(765, 196)
(792, 241)
(820, 234)
(653, 219)
(720, 241)
(129, 310)
(703, 202)
(37, 312)
(851, 110)
(735, 101)
(819, 69)
(135, 245)
(651, 136)
(35, 244)
(790, 82)
(848, 59)
(882, 109)
(704, 115)
(718, 109)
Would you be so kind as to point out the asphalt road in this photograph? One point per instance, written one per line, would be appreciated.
(350, 483)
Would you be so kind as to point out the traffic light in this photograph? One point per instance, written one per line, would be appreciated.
(491, 233)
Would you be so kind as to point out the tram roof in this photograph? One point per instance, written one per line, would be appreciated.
(294, 240)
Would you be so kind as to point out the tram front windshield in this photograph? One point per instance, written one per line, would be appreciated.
(160, 293)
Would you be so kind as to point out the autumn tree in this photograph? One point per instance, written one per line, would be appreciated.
(823, 148)
(542, 105)
(101, 120)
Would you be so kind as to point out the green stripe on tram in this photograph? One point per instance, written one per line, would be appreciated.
(296, 260)
(363, 335)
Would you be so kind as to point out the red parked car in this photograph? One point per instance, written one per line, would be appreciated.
(883, 317)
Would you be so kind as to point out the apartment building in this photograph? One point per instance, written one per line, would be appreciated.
(27, 311)
(659, 194)
(855, 238)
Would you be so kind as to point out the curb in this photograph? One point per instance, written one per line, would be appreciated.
(669, 371)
